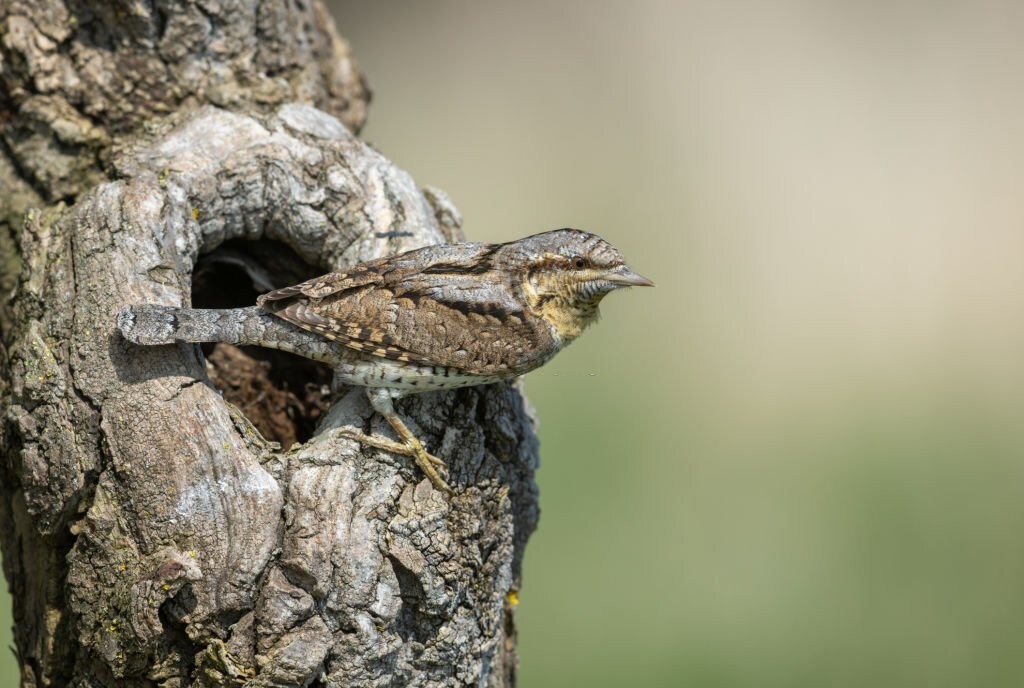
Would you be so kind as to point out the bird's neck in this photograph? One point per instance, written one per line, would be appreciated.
(569, 320)
(566, 315)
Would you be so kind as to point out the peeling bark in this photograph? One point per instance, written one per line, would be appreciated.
(151, 535)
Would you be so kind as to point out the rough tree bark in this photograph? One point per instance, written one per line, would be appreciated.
(151, 535)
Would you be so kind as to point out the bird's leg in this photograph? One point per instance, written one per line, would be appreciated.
(382, 401)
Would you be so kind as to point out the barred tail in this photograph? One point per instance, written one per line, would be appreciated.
(151, 324)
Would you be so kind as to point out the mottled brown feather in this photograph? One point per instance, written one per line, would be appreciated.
(436, 306)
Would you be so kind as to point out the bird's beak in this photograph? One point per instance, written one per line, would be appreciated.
(622, 276)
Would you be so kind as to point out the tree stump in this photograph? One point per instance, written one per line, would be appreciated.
(153, 532)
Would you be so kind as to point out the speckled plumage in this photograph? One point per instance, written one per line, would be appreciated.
(434, 318)
(432, 306)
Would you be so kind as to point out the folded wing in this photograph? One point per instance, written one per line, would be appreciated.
(443, 306)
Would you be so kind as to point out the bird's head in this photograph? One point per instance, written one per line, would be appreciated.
(566, 274)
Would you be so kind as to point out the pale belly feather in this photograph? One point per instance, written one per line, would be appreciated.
(410, 378)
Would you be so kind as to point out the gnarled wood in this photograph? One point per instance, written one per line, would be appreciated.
(150, 534)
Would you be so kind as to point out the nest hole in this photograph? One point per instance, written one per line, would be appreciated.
(283, 395)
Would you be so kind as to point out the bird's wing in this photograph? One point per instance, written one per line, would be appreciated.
(439, 306)
(324, 285)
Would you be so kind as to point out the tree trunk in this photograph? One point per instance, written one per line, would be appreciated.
(152, 533)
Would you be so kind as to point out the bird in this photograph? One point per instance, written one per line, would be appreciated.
(434, 318)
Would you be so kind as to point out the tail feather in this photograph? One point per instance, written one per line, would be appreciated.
(151, 324)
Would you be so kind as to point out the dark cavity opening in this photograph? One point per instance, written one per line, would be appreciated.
(283, 395)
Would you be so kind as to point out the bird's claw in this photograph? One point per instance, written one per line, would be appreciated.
(428, 463)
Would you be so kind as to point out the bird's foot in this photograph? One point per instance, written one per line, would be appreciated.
(428, 463)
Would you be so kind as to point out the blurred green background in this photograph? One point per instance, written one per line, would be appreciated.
(799, 460)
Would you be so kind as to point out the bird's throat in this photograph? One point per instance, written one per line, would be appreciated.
(560, 307)
(568, 320)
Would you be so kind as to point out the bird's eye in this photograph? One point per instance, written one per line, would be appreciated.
(580, 262)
